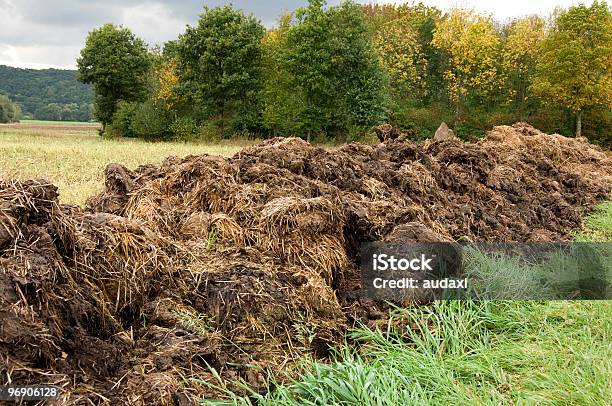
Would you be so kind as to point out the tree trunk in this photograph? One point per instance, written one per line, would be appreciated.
(457, 114)
(579, 123)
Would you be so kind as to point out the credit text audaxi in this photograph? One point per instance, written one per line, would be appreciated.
(411, 283)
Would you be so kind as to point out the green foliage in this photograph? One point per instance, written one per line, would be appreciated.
(183, 128)
(117, 64)
(520, 44)
(575, 64)
(331, 73)
(47, 94)
(9, 111)
(219, 63)
(283, 105)
(470, 43)
(64, 112)
(403, 36)
(330, 59)
(151, 121)
(123, 119)
(422, 121)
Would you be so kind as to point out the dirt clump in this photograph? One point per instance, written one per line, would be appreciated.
(248, 264)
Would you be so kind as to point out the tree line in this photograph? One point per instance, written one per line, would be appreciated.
(48, 94)
(335, 72)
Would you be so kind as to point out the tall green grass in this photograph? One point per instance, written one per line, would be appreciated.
(467, 353)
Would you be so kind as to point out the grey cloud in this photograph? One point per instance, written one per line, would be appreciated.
(71, 12)
(48, 25)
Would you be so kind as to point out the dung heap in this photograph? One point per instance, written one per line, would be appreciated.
(249, 263)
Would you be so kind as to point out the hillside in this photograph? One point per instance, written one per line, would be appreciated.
(47, 94)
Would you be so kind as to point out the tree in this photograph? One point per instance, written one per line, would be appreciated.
(283, 105)
(117, 63)
(402, 57)
(219, 62)
(519, 56)
(331, 59)
(9, 111)
(471, 45)
(575, 64)
(403, 37)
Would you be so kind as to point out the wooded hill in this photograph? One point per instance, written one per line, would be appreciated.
(47, 94)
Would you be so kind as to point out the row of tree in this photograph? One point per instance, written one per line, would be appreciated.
(9, 111)
(338, 71)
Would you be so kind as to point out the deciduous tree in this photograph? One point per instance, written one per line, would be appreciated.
(575, 64)
(471, 45)
(402, 56)
(519, 55)
(283, 104)
(220, 62)
(330, 56)
(9, 111)
(117, 63)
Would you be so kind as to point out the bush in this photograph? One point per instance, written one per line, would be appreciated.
(123, 120)
(184, 129)
(210, 131)
(151, 121)
(597, 126)
(423, 121)
(9, 111)
(552, 120)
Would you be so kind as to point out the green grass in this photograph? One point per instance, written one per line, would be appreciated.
(598, 225)
(74, 159)
(468, 353)
(488, 353)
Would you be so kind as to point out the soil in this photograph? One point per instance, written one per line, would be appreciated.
(248, 264)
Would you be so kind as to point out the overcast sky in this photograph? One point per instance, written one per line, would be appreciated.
(50, 33)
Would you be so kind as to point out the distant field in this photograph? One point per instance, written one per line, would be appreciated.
(59, 123)
(73, 156)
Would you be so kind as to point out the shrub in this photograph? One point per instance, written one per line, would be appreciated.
(123, 120)
(9, 111)
(210, 131)
(597, 126)
(184, 128)
(423, 121)
(151, 121)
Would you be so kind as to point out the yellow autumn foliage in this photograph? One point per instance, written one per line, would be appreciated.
(401, 55)
(167, 79)
(471, 43)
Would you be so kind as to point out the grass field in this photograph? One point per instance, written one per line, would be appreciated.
(73, 156)
(57, 123)
(456, 353)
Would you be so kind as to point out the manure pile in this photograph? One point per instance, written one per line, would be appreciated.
(249, 263)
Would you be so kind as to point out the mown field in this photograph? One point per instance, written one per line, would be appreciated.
(73, 157)
(492, 353)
